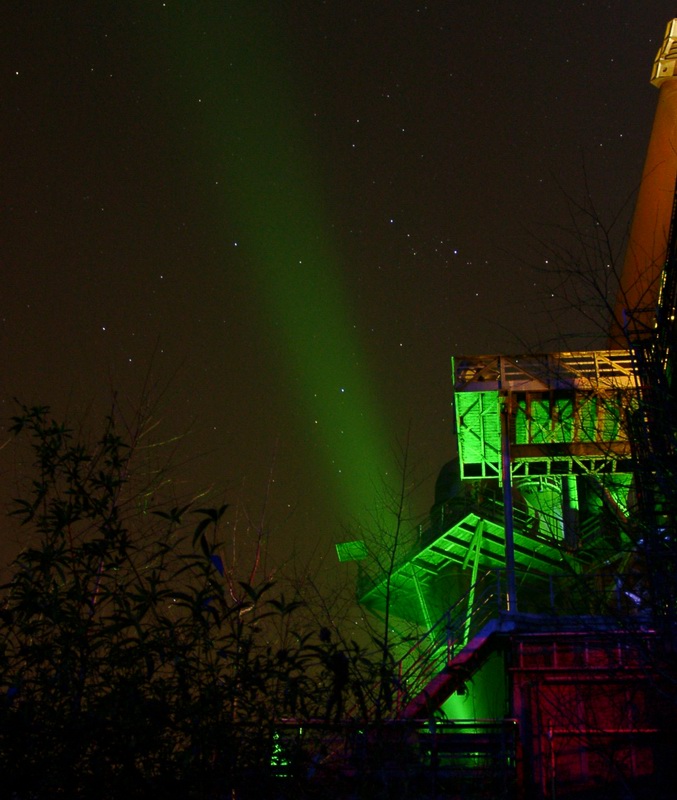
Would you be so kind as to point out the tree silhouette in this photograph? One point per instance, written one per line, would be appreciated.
(133, 658)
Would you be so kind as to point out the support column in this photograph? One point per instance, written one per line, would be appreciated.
(506, 475)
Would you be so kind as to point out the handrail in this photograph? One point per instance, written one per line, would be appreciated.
(588, 370)
(611, 595)
(438, 646)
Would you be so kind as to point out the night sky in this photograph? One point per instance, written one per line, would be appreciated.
(283, 218)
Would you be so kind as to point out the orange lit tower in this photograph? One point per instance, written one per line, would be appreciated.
(640, 280)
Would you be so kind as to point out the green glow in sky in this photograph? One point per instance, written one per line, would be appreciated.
(256, 121)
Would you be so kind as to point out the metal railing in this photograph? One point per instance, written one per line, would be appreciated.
(459, 624)
(589, 370)
(314, 752)
(615, 599)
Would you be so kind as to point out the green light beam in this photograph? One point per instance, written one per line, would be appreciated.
(254, 122)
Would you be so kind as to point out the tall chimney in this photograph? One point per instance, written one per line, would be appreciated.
(640, 280)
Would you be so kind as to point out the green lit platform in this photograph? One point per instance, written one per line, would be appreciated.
(469, 534)
(565, 413)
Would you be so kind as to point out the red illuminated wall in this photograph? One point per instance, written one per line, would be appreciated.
(585, 704)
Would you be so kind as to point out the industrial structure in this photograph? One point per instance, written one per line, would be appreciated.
(544, 585)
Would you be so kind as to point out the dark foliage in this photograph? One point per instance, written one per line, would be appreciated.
(132, 660)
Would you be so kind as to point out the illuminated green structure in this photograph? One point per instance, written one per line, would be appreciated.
(536, 650)
(543, 460)
(542, 447)
(539, 602)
